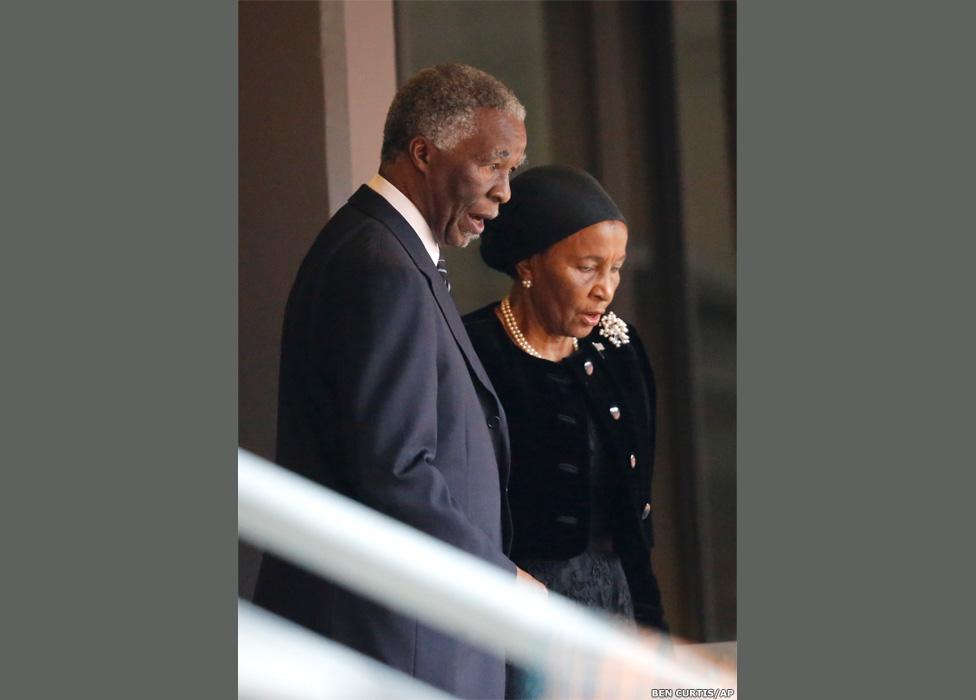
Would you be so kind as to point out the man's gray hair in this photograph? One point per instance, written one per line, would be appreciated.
(440, 103)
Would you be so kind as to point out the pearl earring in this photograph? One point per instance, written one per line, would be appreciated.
(526, 283)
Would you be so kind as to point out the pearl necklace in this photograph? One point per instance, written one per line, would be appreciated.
(516, 333)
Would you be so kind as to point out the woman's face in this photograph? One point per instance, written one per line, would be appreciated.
(574, 280)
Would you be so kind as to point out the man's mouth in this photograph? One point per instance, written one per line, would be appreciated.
(477, 223)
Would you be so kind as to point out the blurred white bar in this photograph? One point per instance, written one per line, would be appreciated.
(421, 576)
(278, 659)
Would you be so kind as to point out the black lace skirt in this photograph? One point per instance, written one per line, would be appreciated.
(595, 579)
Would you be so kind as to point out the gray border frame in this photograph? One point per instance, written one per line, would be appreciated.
(850, 195)
(119, 362)
(120, 372)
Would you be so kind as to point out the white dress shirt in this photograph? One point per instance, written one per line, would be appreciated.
(408, 210)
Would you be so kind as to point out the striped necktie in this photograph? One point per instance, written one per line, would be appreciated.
(442, 268)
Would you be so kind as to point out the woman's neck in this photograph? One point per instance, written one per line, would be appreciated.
(526, 320)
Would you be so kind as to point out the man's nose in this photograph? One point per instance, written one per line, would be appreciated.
(501, 192)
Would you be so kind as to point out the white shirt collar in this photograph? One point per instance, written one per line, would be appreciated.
(408, 210)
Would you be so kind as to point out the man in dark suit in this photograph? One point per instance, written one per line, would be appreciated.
(381, 395)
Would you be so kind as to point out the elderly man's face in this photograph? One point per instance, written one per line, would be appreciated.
(468, 183)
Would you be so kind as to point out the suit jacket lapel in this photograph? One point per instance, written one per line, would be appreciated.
(374, 205)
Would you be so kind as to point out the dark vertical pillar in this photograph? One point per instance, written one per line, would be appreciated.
(729, 30)
(572, 78)
(667, 289)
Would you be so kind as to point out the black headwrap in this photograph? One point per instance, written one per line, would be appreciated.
(549, 203)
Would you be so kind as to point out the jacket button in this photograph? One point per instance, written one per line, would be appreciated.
(633, 460)
(588, 367)
(647, 511)
(493, 422)
(615, 412)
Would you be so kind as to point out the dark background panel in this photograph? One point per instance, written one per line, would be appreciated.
(283, 201)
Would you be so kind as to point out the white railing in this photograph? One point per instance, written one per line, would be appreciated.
(279, 659)
(579, 652)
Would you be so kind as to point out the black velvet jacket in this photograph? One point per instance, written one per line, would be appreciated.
(549, 406)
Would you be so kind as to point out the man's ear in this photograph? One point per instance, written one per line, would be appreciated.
(420, 150)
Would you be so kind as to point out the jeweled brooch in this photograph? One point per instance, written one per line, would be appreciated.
(614, 329)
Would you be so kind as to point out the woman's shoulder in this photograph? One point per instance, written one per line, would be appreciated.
(482, 326)
(485, 313)
(504, 363)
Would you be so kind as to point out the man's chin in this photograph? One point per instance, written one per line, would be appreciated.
(460, 239)
(467, 238)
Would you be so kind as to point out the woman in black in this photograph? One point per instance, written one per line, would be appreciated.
(579, 395)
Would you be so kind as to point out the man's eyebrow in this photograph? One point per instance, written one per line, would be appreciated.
(502, 154)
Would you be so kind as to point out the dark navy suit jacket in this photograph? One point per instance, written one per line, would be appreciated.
(382, 398)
